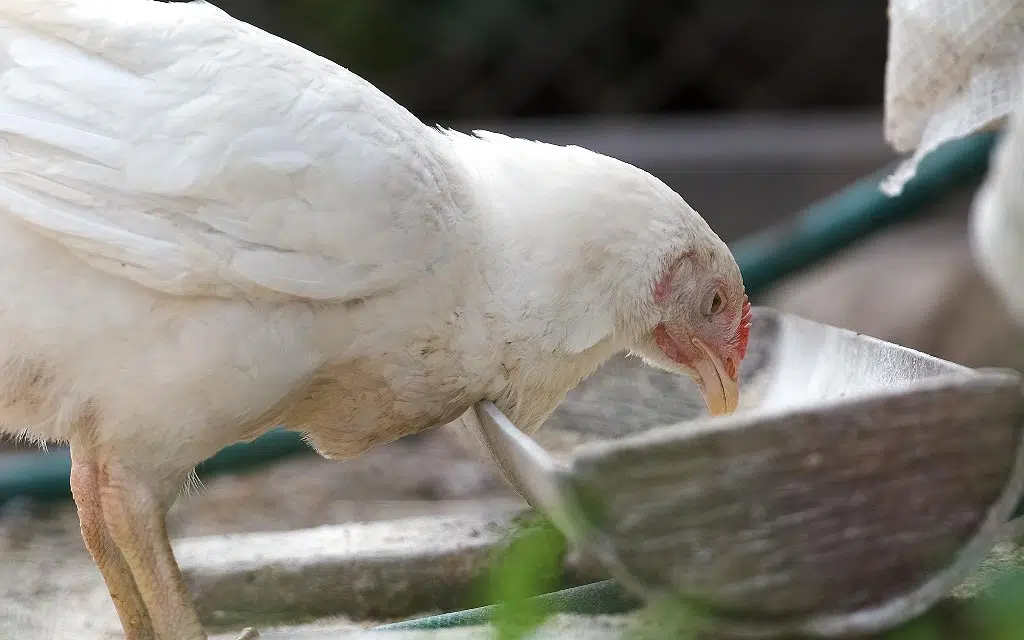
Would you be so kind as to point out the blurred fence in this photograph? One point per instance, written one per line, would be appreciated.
(465, 59)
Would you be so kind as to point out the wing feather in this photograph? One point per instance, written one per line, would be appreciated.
(197, 155)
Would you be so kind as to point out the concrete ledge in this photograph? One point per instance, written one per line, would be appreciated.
(375, 570)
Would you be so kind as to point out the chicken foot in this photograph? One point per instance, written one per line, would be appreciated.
(124, 528)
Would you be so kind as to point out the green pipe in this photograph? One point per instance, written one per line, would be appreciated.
(45, 476)
(857, 211)
(605, 597)
(818, 232)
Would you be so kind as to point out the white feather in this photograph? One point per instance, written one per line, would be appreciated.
(223, 170)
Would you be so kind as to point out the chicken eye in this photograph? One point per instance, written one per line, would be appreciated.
(716, 303)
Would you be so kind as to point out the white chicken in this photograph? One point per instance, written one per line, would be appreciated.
(207, 231)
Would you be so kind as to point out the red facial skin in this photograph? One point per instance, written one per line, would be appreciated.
(713, 349)
(731, 351)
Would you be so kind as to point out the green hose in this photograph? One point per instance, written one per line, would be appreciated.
(604, 598)
(45, 476)
(765, 258)
(840, 220)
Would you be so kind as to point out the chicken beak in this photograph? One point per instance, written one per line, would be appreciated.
(721, 390)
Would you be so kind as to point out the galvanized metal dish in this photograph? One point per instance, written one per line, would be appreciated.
(857, 484)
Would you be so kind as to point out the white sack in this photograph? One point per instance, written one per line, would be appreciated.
(954, 68)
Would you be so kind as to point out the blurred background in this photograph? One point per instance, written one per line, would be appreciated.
(529, 58)
(750, 109)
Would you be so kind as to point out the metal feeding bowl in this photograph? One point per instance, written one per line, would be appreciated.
(858, 483)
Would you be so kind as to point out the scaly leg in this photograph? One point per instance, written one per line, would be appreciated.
(135, 517)
(127, 600)
(124, 526)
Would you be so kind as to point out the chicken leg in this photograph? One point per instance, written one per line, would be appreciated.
(128, 601)
(124, 527)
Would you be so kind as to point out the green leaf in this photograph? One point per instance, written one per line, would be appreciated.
(531, 564)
